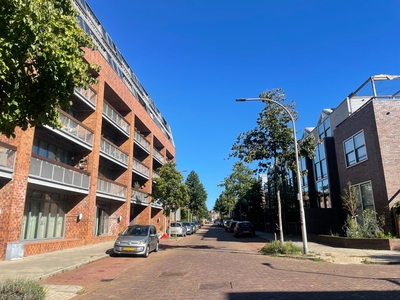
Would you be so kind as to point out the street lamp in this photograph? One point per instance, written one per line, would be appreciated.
(300, 190)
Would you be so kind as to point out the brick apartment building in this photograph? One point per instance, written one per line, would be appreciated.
(83, 183)
(358, 145)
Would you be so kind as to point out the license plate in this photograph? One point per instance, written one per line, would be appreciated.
(173, 232)
(129, 249)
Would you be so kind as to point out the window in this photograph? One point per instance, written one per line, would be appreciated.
(51, 151)
(355, 150)
(365, 197)
(44, 215)
(324, 129)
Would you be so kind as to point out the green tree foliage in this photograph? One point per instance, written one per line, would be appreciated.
(169, 189)
(224, 204)
(197, 195)
(236, 188)
(41, 61)
(271, 143)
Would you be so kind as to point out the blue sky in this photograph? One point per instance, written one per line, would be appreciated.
(195, 57)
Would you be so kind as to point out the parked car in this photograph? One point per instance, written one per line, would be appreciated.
(198, 224)
(232, 225)
(177, 228)
(227, 224)
(189, 227)
(194, 227)
(243, 228)
(137, 240)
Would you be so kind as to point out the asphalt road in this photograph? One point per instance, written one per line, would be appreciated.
(212, 264)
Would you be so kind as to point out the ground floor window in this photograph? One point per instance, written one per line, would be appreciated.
(103, 212)
(323, 194)
(44, 215)
(365, 197)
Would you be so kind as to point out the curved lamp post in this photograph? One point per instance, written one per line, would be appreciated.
(300, 190)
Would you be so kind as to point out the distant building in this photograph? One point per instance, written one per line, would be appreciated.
(83, 183)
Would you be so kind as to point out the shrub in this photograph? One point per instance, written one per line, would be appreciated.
(367, 226)
(21, 289)
(277, 247)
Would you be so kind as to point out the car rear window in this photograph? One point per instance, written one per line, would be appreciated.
(175, 224)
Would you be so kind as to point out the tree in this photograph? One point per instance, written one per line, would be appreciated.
(270, 143)
(169, 189)
(41, 61)
(237, 185)
(197, 195)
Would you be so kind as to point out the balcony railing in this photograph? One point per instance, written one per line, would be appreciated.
(115, 118)
(110, 188)
(88, 94)
(142, 141)
(155, 175)
(157, 155)
(137, 196)
(7, 158)
(73, 128)
(111, 150)
(52, 172)
(141, 168)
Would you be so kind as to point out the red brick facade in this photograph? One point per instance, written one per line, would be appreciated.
(77, 232)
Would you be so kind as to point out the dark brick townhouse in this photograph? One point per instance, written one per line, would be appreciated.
(83, 183)
(358, 145)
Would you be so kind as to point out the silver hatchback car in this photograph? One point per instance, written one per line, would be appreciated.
(138, 240)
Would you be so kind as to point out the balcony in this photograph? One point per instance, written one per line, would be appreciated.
(138, 197)
(141, 141)
(141, 169)
(87, 95)
(112, 151)
(116, 119)
(46, 173)
(7, 161)
(74, 129)
(112, 189)
(158, 156)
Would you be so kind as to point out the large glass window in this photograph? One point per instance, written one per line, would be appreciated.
(44, 215)
(50, 151)
(355, 150)
(365, 197)
(324, 129)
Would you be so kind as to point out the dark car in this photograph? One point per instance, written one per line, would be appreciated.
(138, 240)
(244, 228)
(232, 226)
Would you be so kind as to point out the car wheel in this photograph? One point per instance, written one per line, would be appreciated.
(156, 248)
(146, 253)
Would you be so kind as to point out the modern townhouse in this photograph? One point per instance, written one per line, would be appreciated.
(356, 143)
(84, 182)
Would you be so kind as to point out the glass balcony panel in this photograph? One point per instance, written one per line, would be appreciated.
(53, 172)
(116, 118)
(158, 155)
(139, 196)
(111, 188)
(141, 168)
(76, 130)
(68, 176)
(88, 94)
(7, 158)
(142, 141)
(58, 173)
(113, 151)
